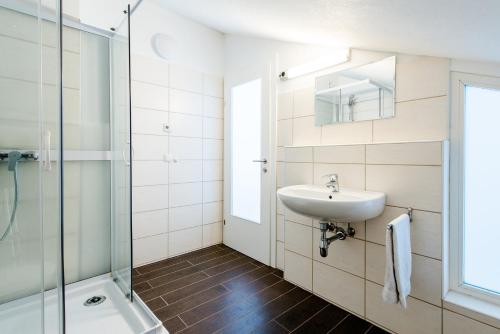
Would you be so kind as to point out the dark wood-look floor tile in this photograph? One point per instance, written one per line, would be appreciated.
(187, 304)
(206, 257)
(352, 325)
(207, 309)
(323, 321)
(297, 315)
(164, 289)
(376, 330)
(174, 325)
(155, 303)
(173, 260)
(141, 287)
(240, 268)
(244, 280)
(238, 310)
(162, 271)
(278, 272)
(158, 281)
(271, 327)
(266, 313)
(218, 289)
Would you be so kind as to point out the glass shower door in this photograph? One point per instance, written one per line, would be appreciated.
(29, 170)
(121, 162)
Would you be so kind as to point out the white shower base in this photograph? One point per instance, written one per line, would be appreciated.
(115, 315)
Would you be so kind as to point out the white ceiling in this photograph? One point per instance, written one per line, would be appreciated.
(468, 29)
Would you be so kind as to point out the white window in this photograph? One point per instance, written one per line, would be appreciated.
(474, 225)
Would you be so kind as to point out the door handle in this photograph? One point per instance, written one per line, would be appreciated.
(264, 161)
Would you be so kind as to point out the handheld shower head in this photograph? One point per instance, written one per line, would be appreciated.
(13, 158)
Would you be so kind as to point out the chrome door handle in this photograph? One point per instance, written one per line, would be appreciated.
(264, 161)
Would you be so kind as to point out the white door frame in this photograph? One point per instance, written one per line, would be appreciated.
(271, 155)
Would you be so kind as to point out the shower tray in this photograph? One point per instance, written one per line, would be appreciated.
(112, 314)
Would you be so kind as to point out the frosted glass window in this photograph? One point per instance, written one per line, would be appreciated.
(481, 185)
(245, 147)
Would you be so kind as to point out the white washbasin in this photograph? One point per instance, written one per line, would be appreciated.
(319, 202)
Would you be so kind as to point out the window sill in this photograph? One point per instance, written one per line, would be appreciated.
(473, 307)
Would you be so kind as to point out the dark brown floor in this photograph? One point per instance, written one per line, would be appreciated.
(218, 289)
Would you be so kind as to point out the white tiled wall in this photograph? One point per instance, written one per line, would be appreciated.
(410, 174)
(177, 173)
(352, 275)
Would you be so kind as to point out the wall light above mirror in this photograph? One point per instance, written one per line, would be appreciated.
(356, 94)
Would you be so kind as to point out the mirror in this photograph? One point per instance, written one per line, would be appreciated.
(356, 94)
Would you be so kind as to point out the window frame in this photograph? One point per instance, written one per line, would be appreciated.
(455, 290)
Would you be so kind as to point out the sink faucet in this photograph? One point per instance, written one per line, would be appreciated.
(333, 182)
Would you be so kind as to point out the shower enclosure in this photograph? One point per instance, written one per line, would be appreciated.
(65, 171)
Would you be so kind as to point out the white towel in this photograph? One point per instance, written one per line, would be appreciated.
(398, 261)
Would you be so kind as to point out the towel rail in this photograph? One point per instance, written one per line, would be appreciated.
(409, 212)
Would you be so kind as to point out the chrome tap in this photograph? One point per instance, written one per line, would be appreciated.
(333, 182)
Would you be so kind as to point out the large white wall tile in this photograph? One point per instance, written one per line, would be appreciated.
(418, 318)
(425, 153)
(184, 217)
(182, 148)
(298, 238)
(420, 77)
(213, 128)
(213, 170)
(284, 130)
(454, 323)
(185, 78)
(213, 85)
(151, 70)
(149, 121)
(298, 173)
(213, 149)
(184, 171)
(212, 234)
(303, 102)
(212, 212)
(150, 223)
(280, 255)
(418, 187)
(280, 228)
(185, 194)
(184, 241)
(213, 107)
(349, 175)
(186, 102)
(339, 287)
(347, 133)
(425, 230)
(149, 173)
(353, 154)
(285, 106)
(348, 254)
(420, 120)
(150, 249)
(297, 218)
(150, 198)
(212, 191)
(305, 132)
(298, 269)
(149, 96)
(149, 147)
(183, 125)
(299, 154)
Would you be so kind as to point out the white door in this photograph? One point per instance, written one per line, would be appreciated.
(247, 165)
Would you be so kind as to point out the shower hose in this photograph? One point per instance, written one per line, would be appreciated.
(14, 157)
